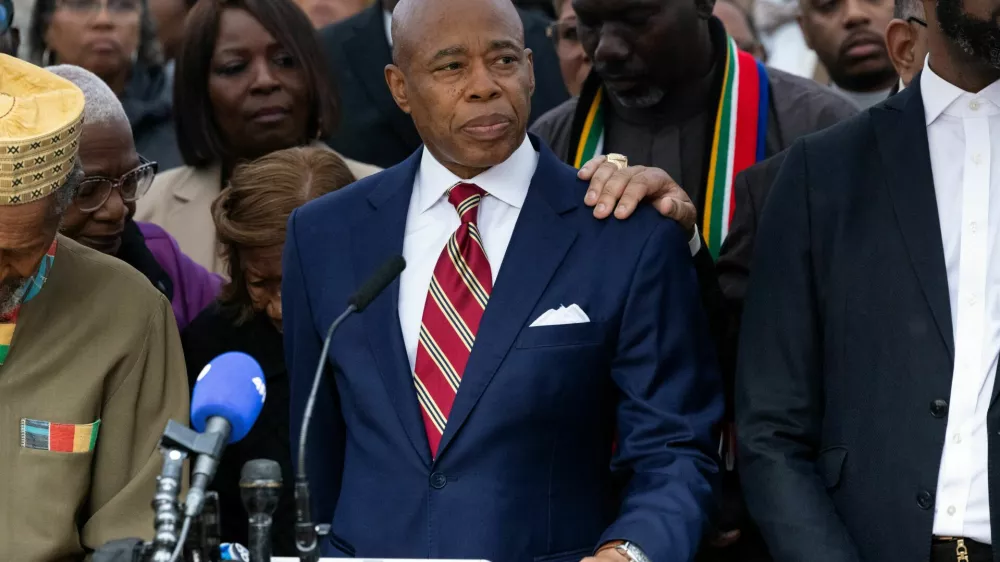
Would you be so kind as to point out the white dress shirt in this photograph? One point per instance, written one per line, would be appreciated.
(431, 220)
(965, 163)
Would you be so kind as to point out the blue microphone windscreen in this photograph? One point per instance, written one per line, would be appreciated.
(231, 386)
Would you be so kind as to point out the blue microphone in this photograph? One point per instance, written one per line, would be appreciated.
(227, 399)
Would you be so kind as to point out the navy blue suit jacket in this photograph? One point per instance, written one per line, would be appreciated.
(525, 469)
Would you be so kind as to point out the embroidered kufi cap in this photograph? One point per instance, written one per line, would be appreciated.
(41, 119)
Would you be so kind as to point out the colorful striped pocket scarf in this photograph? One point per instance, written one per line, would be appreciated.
(59, 437)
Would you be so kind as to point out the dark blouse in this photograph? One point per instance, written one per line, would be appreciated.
(212, 333)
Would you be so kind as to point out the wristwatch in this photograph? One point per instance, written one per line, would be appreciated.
(632, 552)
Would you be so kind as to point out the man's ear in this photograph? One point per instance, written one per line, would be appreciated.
(396, 81)
(531, 68)
(899, 41)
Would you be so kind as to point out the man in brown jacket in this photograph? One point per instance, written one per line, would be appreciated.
(91, 366)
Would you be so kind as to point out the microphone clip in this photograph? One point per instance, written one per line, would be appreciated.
(182, 438)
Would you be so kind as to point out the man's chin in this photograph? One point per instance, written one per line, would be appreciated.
(638, 98)
(486, 154)
(10, 295)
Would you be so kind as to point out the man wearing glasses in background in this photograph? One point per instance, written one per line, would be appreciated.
(573, 60)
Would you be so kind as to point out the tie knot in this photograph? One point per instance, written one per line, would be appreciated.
(466, 197)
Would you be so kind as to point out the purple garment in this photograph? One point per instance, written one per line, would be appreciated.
(194, 286)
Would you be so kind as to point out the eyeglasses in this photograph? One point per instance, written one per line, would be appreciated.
(917, 21)
(95, 190)
(93, 7)
(562, 31)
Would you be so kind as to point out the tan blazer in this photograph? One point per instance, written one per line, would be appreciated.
(98, 343)
(180, 201)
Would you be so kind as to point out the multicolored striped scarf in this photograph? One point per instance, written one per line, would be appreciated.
(31, 289)
(738, 138)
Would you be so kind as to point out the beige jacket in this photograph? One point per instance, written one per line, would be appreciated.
(180, 201)
(99, 342)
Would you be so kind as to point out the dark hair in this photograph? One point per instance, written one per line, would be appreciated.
(904, 9)
(253, 211)
(150, 53)
(198, 137)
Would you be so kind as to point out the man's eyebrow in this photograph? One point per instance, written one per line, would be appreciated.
(501, 44)
(449, 52)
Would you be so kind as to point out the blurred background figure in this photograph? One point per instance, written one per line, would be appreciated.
(168, 15)
(573, 60)
(741, 27)
(10, 36)
(777, 23)
(373, 129)
(251, 215)
(849, 39)
(325, 12)
(252, 79)
(114, 39)
(100, 216)
(906, 39)
(542, 7)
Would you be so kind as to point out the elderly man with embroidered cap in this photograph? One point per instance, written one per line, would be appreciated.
(91, 366)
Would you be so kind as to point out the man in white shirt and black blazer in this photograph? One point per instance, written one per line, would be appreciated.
(866, 397)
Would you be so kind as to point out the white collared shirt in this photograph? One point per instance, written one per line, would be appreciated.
(965, 162)
(431, 220)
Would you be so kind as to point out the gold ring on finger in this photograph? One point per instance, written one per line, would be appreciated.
(619, 160)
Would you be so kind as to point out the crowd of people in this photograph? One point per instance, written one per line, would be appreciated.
(670, 293)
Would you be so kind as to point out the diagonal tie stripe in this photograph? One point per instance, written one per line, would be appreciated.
(439, 358)
(466, 274)
(451, 314)
(456, 300)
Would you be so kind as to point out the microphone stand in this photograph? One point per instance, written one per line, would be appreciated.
(165, 504)
(306, 532)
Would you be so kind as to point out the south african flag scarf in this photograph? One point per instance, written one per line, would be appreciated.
(738, 138)
(9, 321)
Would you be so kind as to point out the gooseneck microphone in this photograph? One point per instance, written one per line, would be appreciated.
(306, 540)
(260, 490)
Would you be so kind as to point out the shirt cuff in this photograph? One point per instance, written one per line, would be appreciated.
(694, 244)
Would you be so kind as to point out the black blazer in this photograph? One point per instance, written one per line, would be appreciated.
(846, 350)
(212, 333)
(372, 128)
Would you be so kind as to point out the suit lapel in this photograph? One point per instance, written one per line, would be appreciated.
(902, 139)
(379, 237)
(369, 52)
(538, 245)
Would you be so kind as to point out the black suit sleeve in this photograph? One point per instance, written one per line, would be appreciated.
(779, 385)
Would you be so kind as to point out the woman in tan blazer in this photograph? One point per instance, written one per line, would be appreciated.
(250, 80)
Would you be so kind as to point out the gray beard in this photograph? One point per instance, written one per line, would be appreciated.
(650, 99)
(11, 295)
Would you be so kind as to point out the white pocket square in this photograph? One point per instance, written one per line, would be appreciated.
(571, 314)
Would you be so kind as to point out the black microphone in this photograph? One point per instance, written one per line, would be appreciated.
(373, 287)
(260, 489)
(306, 541)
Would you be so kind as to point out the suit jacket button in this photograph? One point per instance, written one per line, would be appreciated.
(438, 481)
(939, 408)
(925, 500)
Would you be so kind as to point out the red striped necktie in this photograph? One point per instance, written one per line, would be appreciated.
(459, 289)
